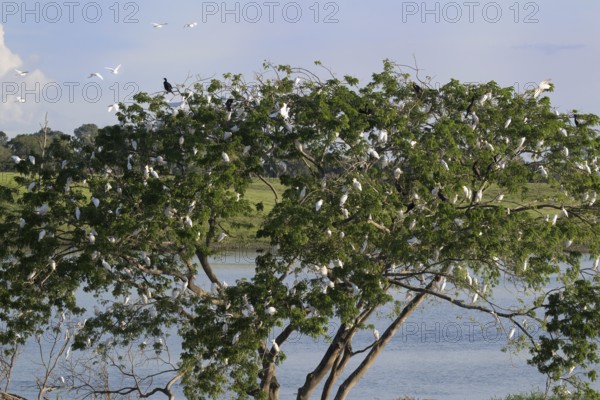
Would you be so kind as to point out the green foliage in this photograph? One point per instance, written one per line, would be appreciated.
(387, 193)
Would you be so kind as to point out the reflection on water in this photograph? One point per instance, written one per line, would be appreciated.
(441, 352)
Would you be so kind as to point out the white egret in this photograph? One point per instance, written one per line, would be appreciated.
(221, 236)
(318, 204)
(191, 25)
(159, 25)
(564, 212)
(41, 234)
(96, 202)
(507, 123)
(275, 346)
(475, 298)
(356, 184)
(478, 196)
(397, 173)
(345, 212)
(542, 86)
(225, 157)
(21, 223)
(31, 186)
(566, 151)
(16, 159)
(284, 111)
(343, 199)
(382, 136)
(105, 264)
(77, 213)
(92, 238)
(554, 219)
(303, 192)
(32, 160)
(114, 106)
(187, 221)
(21, 73)
(271, 310)
(114, 70)
(568, 243)
(43, 209)
(511, 333)
(96, 75)
(153, 173)
(500, 197)
(596, 262)
(445, 165)
(543, 171)
(373, 153)
(375, 334)
(19, 99)
(342, 234)
(467, 192)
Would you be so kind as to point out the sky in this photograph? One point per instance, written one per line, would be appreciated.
(515, 43)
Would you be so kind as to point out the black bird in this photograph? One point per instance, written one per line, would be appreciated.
(168, 87)
(418, 89)
(228, 104)
(471, 105)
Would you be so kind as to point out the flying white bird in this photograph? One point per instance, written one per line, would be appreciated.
(191, 25)
(159, 25)
(114, 106)
(96, 75)
(19, 99)
(16, 159)
(114, 70)
(21, 73)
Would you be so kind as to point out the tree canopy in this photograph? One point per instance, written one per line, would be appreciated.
(399, 192)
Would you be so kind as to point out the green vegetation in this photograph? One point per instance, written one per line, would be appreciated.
(388, 195)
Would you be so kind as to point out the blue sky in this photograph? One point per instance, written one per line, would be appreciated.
(62, 43)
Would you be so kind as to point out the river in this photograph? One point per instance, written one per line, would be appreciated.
(441, 352)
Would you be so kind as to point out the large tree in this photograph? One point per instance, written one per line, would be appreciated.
(400, 192)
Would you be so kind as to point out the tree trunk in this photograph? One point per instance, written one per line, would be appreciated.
(364, 366)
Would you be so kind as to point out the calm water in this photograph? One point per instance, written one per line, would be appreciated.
(440, 353)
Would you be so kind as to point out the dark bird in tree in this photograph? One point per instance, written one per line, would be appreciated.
(228, 104)
(168, 87)
(471, 105)
(576, 120)
(418, 90)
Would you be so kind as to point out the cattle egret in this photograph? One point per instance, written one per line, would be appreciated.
(542, 86)
(43, 209)
(225, 157)
(373, 153)
(114, 70)
(554, 219)
(511, 334)
(21, 223)
(284, 111)
(221, 236)
(105, 264)
(16, 159)
(397, 173)
(475, 298)
(445, 165)
(375, 334)
(596, 262)
(77, 213)
(568, 243)
(271, 310)
(275, 346)
(96, 202)
(191, 25)
(543, 171)
(345, 212)
(187, 221)
(21, 73)
(41, 234)
(31, 275)
(303, 192)
(153, 173)
(96, 75)
(318, 204)
(343, 199)
(467, 192)
(507, 123)
(356, 184)
(114, 106)
(566, 151)
(478, 196)
(564, 212)
(159, 25)
(32, 160)
(500, 197)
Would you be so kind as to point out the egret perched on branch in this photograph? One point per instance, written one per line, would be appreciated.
(318, 204)
(343, 199)
(356, 184)
(271, 310)
(225, 157)
(397, 173)
(542, 86)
